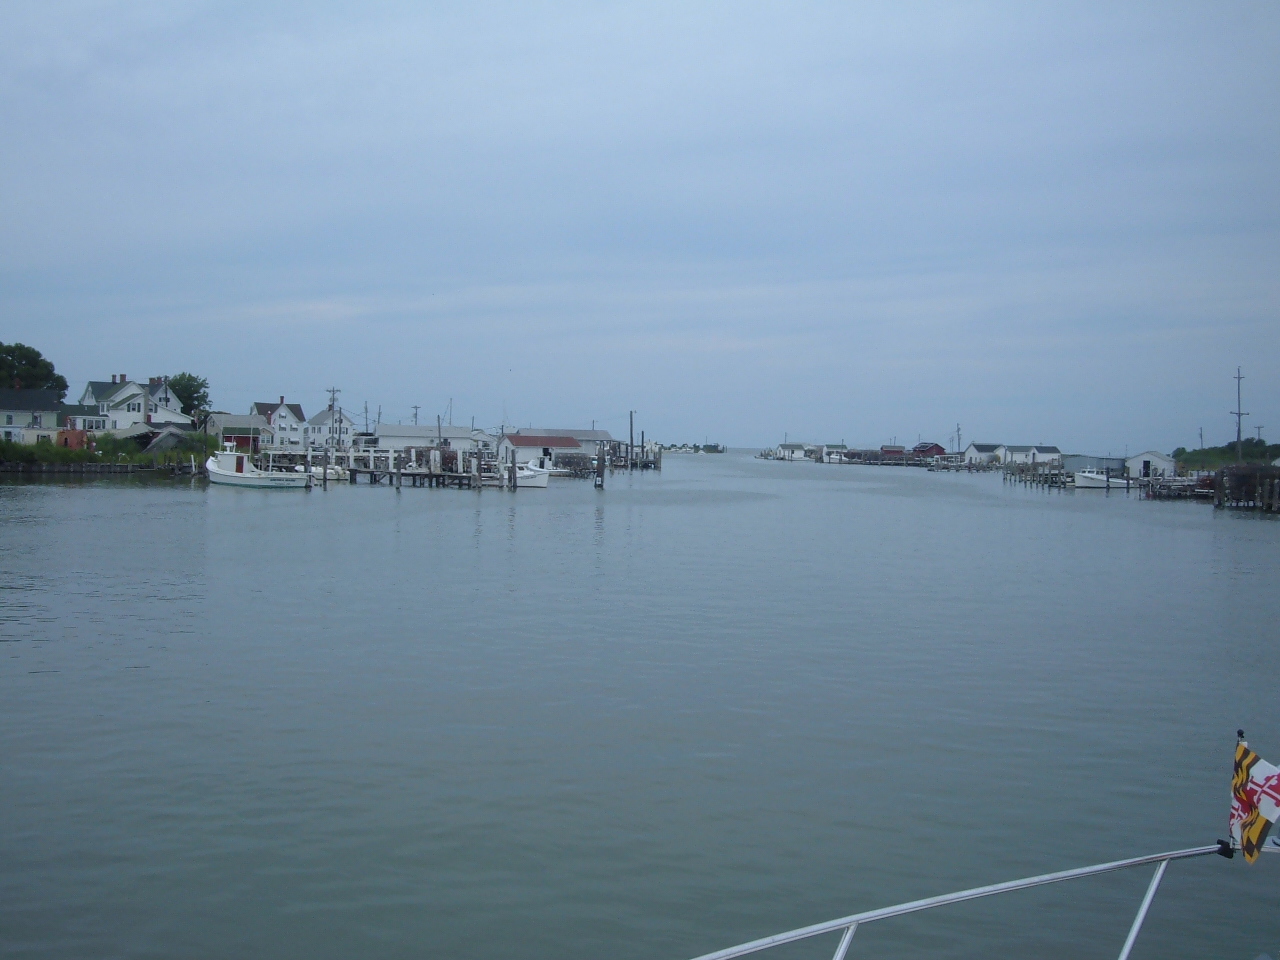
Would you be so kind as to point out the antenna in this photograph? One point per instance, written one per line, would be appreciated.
(416, 408)
(1239, 415)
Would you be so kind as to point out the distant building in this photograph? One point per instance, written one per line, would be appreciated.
(789, 451)
(248, 432)
(1150, 464)
(893, 451)
(587, 439)
(1075, 462)
(287, 421)
(831, 452)
(541, 450)
(397, 436)
(82, 418)
(29, 416)
(1009, 453)
(329, 428)
(982, 453)
(927, 451)
(123, 403)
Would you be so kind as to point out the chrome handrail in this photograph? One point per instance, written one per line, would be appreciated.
(850, 923)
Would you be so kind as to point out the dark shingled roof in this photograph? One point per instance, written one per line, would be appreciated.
(11, 399)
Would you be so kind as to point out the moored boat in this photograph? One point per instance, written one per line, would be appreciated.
(236, 469)
(1090, 480)
(527, 475)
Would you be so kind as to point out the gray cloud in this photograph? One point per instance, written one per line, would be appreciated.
(1051, 224)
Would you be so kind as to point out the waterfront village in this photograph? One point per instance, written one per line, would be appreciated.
(275, 437)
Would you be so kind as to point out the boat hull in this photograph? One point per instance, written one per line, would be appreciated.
(532, 477)
(1091, 481)
(256, 478)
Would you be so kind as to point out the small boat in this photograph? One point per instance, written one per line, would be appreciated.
(1091, 480)
(527, 475)
(235, 469)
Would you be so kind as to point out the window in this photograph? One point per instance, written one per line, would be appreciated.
(35, 420)
(8, 422)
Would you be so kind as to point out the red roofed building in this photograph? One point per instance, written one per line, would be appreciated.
(538, 449)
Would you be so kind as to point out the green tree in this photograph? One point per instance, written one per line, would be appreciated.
(193, 391)
(23, 368)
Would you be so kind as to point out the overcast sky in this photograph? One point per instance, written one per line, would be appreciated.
(844, 221)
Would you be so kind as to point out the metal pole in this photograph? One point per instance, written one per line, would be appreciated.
(845, 941)
(1142, 911)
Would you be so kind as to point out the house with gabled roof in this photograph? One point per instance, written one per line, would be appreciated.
(982, 453)
(332, 428)
(123, 403)
(287, 421)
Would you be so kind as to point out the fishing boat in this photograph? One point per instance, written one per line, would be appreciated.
(527, 475)
(1091, 480)
(235, 469)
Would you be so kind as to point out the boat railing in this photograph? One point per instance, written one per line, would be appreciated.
(849, 925)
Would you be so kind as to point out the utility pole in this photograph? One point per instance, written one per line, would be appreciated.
(958, 442)
(1259, 429)
(1239, 415)
(631, 442)
(1202, 438)
(333, 397)
(416, 408)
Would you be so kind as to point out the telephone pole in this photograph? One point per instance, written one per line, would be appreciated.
(1239, 415)
(333, 397)
(959, 442)
(416, 408)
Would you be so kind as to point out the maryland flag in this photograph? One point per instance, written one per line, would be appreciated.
(1255, 800)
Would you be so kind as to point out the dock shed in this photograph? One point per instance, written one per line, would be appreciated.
(1150, 464)
(982, 453)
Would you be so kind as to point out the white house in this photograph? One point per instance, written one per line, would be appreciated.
(982, 453)
(789, 451)
(831, 452)
(1150, 464)
(329, 428)
(1007, 453)
(123, 403)
(287, 421)
(544, 451)
(29, 416)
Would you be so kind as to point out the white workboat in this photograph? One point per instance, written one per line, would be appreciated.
(236, 469)
(527, 475)
(1091, 480)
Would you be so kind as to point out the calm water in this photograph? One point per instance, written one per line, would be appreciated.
(701, 707)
